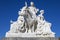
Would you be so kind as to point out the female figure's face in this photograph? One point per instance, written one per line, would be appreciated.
(21, 19)
(42, 11)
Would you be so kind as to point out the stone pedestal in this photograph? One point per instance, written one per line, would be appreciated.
(33, 38)
(27, 35)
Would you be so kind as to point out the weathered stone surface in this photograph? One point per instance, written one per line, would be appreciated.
(20, 38)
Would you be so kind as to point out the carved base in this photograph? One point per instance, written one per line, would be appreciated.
(37, 38)
(28, 35)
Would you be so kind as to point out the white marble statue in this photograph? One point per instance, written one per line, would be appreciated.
(17, 25)
(33, 10)
(43, 27)
(29, 24)
(40, 21)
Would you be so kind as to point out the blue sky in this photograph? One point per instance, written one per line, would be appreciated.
(9, 11)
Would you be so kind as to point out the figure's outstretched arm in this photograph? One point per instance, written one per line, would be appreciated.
(26, 4)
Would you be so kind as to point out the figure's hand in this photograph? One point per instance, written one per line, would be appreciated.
(37, 9)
